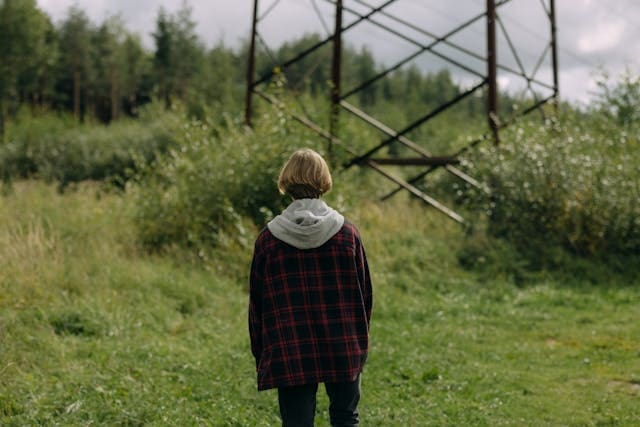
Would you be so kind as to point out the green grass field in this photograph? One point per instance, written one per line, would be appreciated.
(95, 331)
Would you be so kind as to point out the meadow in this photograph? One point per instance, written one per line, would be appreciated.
(97, 330)
(131, 193)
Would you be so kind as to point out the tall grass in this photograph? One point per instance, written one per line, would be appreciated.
(56, 149)
(94, 330)
(97, 329)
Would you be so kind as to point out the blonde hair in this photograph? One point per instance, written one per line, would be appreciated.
(305, 175)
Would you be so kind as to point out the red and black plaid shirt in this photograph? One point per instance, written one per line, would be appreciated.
(309, 310)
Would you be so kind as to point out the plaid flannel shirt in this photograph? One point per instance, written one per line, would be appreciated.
(309, 310)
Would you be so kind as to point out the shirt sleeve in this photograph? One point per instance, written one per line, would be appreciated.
(364, 278)
(255, 301)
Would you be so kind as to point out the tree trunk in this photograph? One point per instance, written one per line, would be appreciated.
(76, 94)
(133, 105)
(2, 122)
(115, 104)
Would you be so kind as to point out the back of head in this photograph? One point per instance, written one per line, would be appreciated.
(305, 175)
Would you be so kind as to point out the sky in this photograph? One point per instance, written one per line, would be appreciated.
(594, 36)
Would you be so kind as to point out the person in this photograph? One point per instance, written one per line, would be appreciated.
(310, 300)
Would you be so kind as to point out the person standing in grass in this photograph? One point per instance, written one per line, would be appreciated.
(310, 300)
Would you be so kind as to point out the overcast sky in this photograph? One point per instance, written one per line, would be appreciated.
(592, 34)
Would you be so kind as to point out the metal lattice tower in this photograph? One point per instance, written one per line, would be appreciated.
(404, 29)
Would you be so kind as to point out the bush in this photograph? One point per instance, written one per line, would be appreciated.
(202, 193)
(58, 150)
(574, 185)
(620, 100)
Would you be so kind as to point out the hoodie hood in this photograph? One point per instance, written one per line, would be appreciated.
(306, 224)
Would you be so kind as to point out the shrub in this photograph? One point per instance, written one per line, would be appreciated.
(574, 184)
(58, 150)
(620, 100)
(202, 193)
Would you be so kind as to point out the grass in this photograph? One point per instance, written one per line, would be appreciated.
(95, 331)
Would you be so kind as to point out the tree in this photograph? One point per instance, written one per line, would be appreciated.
(136, 68)
(221, 83)
(309, 73)
(621, 99)
(38, 82)
(179, 54)
(109, 67)
(75, 45)
(23, 53)
(188, 50)
(163, 57)
(366, 69)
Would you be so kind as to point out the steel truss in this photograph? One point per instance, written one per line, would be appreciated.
(424, 158)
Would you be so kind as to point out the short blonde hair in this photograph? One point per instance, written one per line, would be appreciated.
(305, 175)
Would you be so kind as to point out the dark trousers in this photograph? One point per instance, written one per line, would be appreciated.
(298, 404)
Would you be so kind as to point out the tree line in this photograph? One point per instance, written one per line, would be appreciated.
(103, 70)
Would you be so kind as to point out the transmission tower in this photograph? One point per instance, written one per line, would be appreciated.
(402, 28)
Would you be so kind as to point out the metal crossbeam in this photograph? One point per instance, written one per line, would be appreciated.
(417, 123)
(445, 40)
(370, 163)
(417, 161)
(407, 142)
(319, 44)
(473, 144)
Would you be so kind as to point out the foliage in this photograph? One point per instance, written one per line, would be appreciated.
(178, 55)
(574, 183)
(26, 51)
(95, 331)
(620, 100)
(200, 192)
(101, 70)
(54, 148)
(76, 55)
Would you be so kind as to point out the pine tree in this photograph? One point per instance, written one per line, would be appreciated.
(23, 53)
(75, 47)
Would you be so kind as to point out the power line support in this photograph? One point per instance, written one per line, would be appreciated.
(251, 66)
(492, 75)
(336, 76)
(554, 52)
(423, 158)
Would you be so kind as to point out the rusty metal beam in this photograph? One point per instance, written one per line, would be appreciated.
(413, 190)
(384, 128)
(305, 121)
(417, 123)
(417, 161)
(492, 76)
(422, 49)
(514, 52)
(336, 75)
(470, 146)
(417, 193)
(321, 43)
(407, 142)
(449, 43)
(251, 67)
(554, 50)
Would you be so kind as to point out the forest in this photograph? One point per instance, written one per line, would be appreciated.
(102, 71)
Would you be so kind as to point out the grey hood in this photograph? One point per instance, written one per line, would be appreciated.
(306, 224)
